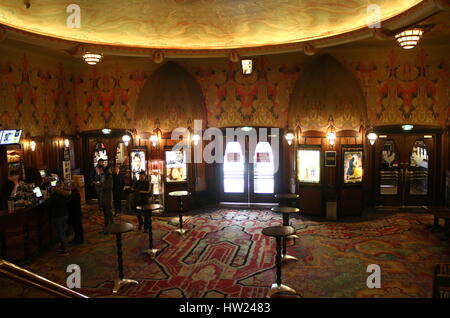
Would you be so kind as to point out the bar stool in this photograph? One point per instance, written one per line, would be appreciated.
(148, 209)
(118, 229)
(279, 232)
(181, 195)
(285, 199)
(286, 211)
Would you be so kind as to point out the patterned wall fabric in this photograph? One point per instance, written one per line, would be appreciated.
(39, 93)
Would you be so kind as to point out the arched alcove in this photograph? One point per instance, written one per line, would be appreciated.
(170, 97)
(324, 88)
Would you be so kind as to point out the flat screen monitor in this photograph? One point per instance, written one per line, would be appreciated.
(43, 173)
(37, 192)
(10, 136)
(53, 183)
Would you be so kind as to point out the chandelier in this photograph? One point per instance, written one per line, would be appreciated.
(408, 39)
(92, 58)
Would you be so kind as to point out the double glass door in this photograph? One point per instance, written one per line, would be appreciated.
(404, 170)
(248, 171)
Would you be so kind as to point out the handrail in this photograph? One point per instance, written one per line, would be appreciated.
(22, 275)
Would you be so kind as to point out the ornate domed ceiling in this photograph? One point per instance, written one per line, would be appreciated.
(197, 24)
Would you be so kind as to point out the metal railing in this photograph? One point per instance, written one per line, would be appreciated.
(21, 275)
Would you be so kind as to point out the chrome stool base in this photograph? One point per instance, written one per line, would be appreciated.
(118, 283)
(275, 289)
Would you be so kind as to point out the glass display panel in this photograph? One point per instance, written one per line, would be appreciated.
(176, 166)
(263, 168)
(418, 169)
(389, 169)
(233, 168)
(138, 162)
(100, 153)
(308, 163)
(10, 137)
(353, 166)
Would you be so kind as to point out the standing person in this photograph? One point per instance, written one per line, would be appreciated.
(107, 189)
(75, 215)
(59, 213)
(142, 189)
(11, 186)
(98, 184)
(119, 183)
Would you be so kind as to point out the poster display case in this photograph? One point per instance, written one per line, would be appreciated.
(138, 160)
(176, 169)
(352, 165)
(308, 165)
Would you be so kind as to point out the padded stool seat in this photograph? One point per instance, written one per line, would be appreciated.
(286, 211)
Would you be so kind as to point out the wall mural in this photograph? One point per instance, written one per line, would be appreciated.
(35, 95)
(40, 94)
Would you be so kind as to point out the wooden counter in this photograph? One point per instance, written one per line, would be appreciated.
(24, 233)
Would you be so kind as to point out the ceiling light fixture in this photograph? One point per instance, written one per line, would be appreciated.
(106, 131)
(407, 127)
(408, 39)
(92, 58)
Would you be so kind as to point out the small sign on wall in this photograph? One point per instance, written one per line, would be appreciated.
(330, 158)
(67, 175)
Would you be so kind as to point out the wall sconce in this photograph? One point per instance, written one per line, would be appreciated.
(126, 139)
(246, 67)
(289, 136)
(154, 140)
(33, 145)
(372, 138)
(196, 138)
(331, 132)
(66, 143)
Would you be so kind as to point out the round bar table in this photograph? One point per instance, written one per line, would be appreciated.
(118, 229)
(149, 208)
(181, 195)
(286, 211)
(279, 232)
(285, 199)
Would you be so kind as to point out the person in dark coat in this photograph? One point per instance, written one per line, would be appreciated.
(75, 215)
(142, 190)
(59, 212)
(107, 189)
(98, 180)
(118, 186)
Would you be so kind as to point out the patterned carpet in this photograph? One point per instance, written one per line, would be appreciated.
(225, 255)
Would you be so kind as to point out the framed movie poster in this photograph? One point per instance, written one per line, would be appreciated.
(176, 170)
(308, 165)
(138, 162)
(353, 165)
(330, 158)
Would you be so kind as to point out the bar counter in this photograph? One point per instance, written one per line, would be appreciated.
(24, 233)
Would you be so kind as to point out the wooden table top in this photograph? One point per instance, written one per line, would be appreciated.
(285, 209)
(179, 193)
(149, 207)
(120, 228)
(278, 231)
(286, 196)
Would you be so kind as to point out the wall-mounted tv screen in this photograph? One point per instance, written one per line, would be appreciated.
(10, 136)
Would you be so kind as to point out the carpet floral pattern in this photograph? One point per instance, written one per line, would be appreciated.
(224, 254)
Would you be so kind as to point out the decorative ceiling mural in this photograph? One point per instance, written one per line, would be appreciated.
(196, 24)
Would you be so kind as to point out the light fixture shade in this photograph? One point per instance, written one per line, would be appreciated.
(407, 127)
(33, 145)
(92, 58)
(66, 143)
(372, 137)
(106, 131)
(289, 137)
(154, 140)
(408, 39)
(126, 139)
(196, 138)
(331, 136)
(246, 67)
